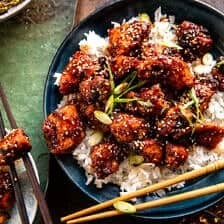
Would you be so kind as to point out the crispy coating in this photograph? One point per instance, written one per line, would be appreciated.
(6, 192)
(208, 135)
(4, 216)
(150, 149)
(205, 88)
(96, 89)
(13, 146)
(218, 74)
(106, 157)
(171, 71)
(122, 65)
(150, 50)
(175, 124)
(126, 127)
(127, 38)
(194, 39)
(154, 102)
(79, 66)
(175, 155)
(87, 112)
(63, 130)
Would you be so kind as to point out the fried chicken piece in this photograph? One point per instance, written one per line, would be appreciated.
(152, 50)
(171, 71)
(205, 88)
(194, 39)
(127, 38)
(126, 127)
(79, 66)
(153, 101)
(218, 73)
(63, 130)
(123, 65)
(4, 216)
(7, 198)
(150, 149)
(106, 158)
(175, 155)
(13, 146)
(175, 124)
(87, 112)
(96, 89)
(208, 135)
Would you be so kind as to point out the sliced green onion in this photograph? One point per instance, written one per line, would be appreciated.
(145, 103)
(111, 77)
(102, 117)
(171, 44)
(207, 59)
(188, 104)
(109, 105)
(134, 74)
(144, 17)
(120, 88)
(193, 96)
(219, 64)
(125, 100)
(95, 138)
(124, 207)
(138, 85)
(135, 160)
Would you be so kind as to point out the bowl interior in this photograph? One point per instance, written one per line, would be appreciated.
(100, 22)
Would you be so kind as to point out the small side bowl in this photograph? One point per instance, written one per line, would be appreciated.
(14, 10)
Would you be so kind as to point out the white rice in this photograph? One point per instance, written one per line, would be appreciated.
(131, 178)
(93, 44)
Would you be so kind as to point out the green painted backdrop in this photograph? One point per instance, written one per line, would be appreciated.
(28, 43)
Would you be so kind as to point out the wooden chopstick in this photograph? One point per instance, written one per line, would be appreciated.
(29, 168)
(15, 181)
(154, 203)
(183, 177)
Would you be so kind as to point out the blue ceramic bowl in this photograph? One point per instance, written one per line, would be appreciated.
(100, 21)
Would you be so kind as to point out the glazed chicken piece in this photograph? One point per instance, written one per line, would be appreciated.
(79, 66)
(208, 135)
(194, 39)
(13, 146)
(218, 73)
(127, 38)
(106, 157)
(126, 127)
(205, 88)
(175, 155)
(123, 65)
(175, 124)
(95, 89)
(63, 130)
(7, 198)
(153, 102)
(87, 112)
(150, 149)
(167, 70)
(152, 50)
(4, 216)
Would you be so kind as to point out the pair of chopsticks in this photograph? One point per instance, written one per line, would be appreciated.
(15, 182)
(84, 215)
(30, 172)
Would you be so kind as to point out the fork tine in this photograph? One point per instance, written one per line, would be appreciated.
(15, 181)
